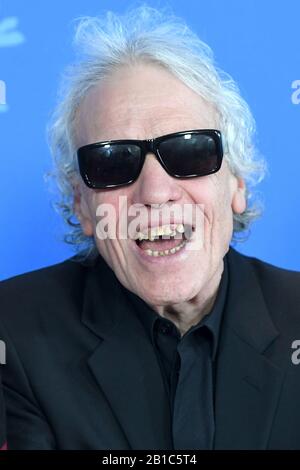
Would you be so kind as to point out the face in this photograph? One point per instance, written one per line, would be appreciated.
(141, 102)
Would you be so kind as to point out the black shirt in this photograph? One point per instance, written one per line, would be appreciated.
(188, 364)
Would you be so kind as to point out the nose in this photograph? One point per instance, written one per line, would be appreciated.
(154, 185)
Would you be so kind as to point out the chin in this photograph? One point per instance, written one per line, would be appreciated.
(169, 296)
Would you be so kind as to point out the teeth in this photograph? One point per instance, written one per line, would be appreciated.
(166, 252)
(142, 236)
(180, 228)
(167, 230)
(156, 232)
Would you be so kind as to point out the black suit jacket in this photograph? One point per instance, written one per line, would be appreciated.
(2, 418)
(82, 374)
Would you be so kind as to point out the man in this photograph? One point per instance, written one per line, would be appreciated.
(161, 336)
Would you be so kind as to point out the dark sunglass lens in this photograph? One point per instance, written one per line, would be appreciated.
(191, 154)
(109, 165)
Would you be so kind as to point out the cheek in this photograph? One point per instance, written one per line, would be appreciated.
(214, 194)
(98, 199)
(107, 207)
(208, 192)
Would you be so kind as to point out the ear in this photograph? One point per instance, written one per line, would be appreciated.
(81, 209)
(238, 202)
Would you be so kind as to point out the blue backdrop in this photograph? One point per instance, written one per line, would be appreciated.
(256, 41)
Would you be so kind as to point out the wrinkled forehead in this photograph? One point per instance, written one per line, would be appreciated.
(140, 102)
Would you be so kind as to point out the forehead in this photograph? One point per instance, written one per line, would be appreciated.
(138, 102)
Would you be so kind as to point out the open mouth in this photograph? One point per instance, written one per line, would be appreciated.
(165, 240)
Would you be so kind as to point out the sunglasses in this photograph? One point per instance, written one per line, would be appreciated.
(116, 163)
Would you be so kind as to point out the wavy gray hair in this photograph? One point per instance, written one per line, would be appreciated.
(146, 34)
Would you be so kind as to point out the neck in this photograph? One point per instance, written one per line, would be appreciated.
(188, 313)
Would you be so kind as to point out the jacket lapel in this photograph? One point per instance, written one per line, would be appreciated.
(248, 384)
(124, 363)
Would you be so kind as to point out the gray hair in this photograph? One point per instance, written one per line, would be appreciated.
(146, 34)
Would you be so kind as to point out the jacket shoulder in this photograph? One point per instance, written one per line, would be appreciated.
(275, 276)
(52, 288)
(267, 272)
(280, 288)
(51, 275)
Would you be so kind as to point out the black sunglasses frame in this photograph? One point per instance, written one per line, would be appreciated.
(151, 146)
